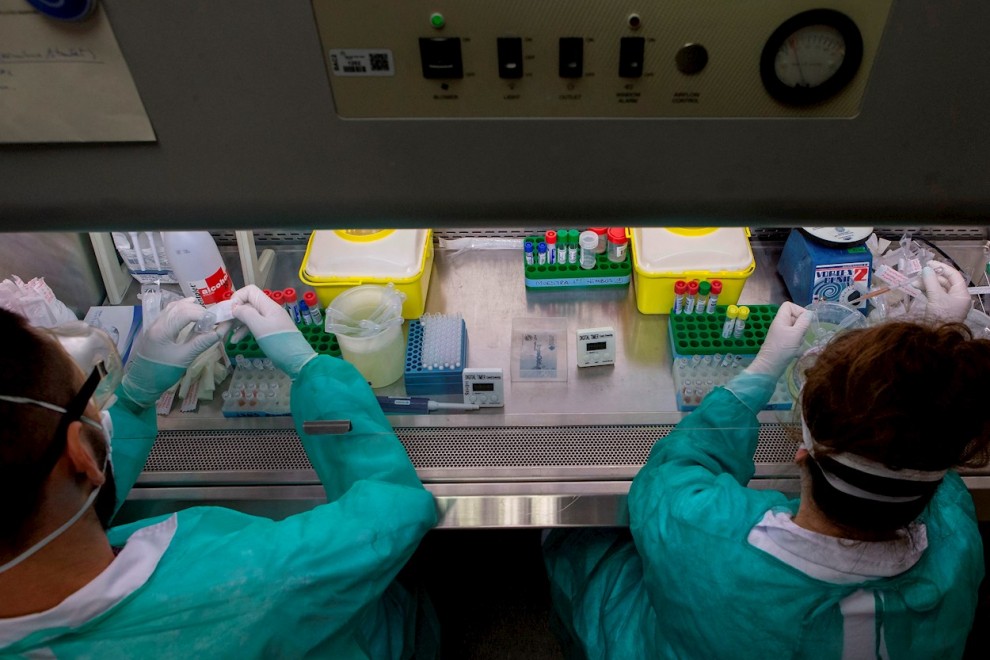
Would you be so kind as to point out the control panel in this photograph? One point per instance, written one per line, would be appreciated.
(599, 58)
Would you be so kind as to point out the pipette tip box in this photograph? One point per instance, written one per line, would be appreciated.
(438, 380)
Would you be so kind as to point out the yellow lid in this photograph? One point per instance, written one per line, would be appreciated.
(663, 250)
(732, 312)
(744, 313)
(387, 254)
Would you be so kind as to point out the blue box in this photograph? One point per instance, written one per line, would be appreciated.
(814, 272)
(419, 381)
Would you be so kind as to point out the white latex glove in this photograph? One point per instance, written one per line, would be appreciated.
(262, 315)
(783, 341)
(274, 329)
(160, 342)
(160, 358)
(945, 293)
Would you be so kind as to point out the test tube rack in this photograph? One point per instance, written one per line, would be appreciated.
(423, 379)
(701, 334)
(323, 342)
(257, 389)
(562, 276)
(696, 376)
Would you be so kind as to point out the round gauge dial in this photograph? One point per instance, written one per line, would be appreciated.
(811, 57)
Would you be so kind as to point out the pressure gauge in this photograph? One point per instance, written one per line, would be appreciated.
(811, 57)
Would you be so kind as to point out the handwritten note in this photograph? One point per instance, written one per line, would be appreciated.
(65, 82)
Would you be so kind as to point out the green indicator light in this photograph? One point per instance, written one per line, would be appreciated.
(437, 20)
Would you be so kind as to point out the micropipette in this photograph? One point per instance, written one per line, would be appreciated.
(419, 404)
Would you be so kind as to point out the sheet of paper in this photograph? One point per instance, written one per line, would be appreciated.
(65, 82)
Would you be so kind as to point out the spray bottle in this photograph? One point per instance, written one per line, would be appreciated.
(197, 265)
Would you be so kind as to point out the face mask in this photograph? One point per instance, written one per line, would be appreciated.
(108, 486)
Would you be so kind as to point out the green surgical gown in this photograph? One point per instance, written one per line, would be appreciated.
(317, 584)
(687, 583)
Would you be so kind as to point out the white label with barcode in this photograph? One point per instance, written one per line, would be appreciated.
(362, 62)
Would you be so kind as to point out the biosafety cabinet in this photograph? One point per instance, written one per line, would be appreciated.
(488, 119)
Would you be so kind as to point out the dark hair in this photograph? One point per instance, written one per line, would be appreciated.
(36, 367)
(906, 395)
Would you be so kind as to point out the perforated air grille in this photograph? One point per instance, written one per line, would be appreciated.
(442, 448)
(277, 237)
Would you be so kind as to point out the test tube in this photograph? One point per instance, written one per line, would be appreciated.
(551, 241)
(573, 243)
(730, 321)
(528, 251)
(304, 313)
(741, 322)
(541, 253)
(704, 289)
(692, 297)
(589, 241)
(292, 304)
(279, 298)
(314, 307)
(713, 296)
(680, 288)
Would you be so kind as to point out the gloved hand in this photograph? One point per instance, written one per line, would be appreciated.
(783, 341)
(160, 357)
(275, 331)
(945, 293)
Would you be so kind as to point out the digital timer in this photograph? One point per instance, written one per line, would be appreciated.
(595, 347)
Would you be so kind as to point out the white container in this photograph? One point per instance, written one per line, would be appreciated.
(381, 357)
(197, 265)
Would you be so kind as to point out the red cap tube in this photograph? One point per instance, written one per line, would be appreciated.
(680, 287)
(289, 295)
(716, 286)
(693, 287)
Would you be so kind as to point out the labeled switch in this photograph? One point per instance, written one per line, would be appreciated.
(441, 57)
(631, 51)
(510, 57)
(571, 57)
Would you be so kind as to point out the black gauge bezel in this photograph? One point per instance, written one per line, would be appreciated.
(803, 96)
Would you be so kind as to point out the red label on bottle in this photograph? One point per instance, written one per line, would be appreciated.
(212, 289)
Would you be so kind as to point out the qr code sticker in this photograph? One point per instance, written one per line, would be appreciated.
(361, 62)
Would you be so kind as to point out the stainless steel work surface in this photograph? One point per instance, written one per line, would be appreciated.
(558, 454)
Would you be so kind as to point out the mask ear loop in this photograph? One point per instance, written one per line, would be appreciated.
(73, 411)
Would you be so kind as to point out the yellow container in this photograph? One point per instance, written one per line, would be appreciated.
(337, 260)
(661, 256)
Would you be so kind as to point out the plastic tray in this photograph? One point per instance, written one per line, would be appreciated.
(701, 334)
(322, 342)
(561, 276)
(431, 381)
(696, 376)
(270, 390)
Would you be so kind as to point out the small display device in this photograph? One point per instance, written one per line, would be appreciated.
(595, 347)
(483, 387)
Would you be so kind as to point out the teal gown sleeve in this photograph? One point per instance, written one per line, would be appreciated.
(134, 433)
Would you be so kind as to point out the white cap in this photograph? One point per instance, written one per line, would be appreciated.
(588, 240)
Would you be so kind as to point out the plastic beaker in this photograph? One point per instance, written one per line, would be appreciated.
(376, 349)
(830, 318)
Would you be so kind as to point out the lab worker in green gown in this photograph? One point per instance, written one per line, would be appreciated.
(879, 557)
(206, 581)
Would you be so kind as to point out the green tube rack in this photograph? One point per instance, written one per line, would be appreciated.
(562, 276)
(323, 342)
(701, 334)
